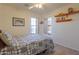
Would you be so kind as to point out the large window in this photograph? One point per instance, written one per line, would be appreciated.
(49, 25)
(33, 25)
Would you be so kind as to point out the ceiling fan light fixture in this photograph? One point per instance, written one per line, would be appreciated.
(40, 6)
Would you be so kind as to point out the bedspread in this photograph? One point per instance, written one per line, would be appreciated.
(29, 49)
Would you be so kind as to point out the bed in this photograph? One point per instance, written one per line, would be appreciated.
(28, 45)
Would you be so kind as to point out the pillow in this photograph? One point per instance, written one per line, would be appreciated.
(8, 35)
(4, 38)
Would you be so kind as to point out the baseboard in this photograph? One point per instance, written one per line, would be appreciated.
(66, 46)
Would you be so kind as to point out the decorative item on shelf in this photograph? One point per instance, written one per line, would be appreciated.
(66, 20)
(41, 22)
(18, 21)
(63, 19)
(70, 10)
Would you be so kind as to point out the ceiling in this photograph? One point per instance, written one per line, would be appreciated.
(47, 7)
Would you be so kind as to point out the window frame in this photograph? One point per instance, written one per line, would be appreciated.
(51, 24)
(36, 31)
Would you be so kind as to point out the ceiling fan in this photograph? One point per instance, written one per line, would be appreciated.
(36, 5)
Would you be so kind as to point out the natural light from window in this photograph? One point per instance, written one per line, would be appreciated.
(33, 25)
(49, 23)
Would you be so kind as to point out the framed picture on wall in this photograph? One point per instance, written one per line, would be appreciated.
(18, 21)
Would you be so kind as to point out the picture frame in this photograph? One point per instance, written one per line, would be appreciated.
(18, 21)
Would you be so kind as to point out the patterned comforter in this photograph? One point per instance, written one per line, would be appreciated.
(33, 48)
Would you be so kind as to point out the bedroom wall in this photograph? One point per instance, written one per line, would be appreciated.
(66, 33)
(6, 14)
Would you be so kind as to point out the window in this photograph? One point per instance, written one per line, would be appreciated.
(49, 25)
(33, 25)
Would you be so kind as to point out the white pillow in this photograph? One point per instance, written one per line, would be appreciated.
(4, 38)
(9, 35)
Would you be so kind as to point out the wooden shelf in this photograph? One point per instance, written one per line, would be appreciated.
(64, 20)
(64, 17)
(66, 14)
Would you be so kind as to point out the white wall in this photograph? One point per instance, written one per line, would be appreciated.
(6, 14)
(66, 33)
